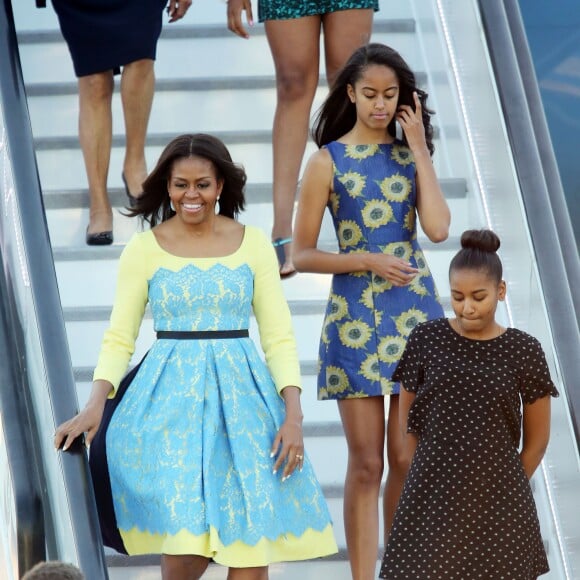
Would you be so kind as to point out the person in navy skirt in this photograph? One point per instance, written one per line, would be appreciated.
(108, 37)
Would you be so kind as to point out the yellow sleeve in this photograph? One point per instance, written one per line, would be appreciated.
(130, 301)
(272, 314)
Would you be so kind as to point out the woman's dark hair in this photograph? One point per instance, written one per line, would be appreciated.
(479, 252)
(337, 115)
(154, 204)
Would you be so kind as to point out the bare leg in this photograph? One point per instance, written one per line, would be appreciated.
(295, 49)
(183, 567)
(248, 573)
(364, 425)
(398, 466)
(95, 136)
(137, 89)
(344, 32)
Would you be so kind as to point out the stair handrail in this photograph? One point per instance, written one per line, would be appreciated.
(21, 517)
(542, 194)
(71, 523)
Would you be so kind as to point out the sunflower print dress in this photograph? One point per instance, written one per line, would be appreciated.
(368, 320)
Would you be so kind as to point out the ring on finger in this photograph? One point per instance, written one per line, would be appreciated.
(299, 457)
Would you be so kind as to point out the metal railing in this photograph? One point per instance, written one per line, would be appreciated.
(71, 531)
(542, 195)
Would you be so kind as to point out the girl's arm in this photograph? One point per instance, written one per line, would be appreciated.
(410, 440)
(432, 208)
(306, 257)
(536, 433)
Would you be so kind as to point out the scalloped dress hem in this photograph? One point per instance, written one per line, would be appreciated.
(286, 548)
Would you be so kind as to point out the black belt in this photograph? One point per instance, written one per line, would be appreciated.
(202, 334)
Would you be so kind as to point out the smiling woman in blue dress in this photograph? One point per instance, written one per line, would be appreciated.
(217, 468)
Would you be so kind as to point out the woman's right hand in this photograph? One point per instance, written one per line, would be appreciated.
(397, 271)
(87, 421)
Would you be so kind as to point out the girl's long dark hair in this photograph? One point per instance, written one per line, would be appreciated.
(154, 205)
(337, 115)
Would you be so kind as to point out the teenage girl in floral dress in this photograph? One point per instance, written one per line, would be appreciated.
(374, 186)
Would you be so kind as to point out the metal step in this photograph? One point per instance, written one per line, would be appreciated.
(207, 31)
(453, 188)
(114, 251)
(62, 142)
(321, 569)
(199, 84)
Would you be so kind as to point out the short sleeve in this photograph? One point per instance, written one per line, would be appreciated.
(409, 371)
(536, 381)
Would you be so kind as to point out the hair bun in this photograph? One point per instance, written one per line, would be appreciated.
(483, 240)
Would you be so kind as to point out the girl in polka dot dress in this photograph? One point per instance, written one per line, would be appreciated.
(467, 509)
(374, 186)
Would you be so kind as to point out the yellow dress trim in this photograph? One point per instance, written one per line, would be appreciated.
(287, 548)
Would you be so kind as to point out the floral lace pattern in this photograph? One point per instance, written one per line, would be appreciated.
(189, 445)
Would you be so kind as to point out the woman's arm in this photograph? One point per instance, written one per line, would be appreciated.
(306, 257)
(131, 298)
(432, 208)
(536, 433)
(272, 312)
(410, 440)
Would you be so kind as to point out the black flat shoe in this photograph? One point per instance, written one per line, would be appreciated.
(99, 238)
(132, 199)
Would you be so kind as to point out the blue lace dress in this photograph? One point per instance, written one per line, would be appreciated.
(189, 444)
(367, 319)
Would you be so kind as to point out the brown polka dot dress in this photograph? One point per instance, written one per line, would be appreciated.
(467, 509)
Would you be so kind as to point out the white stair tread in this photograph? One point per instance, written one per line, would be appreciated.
(67, 226)
(312, 570)
(189, 57)
(63, 169)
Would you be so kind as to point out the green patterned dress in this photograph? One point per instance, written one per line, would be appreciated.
(367, 319)
(288, 9)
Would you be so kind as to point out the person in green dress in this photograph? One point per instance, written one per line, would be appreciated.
(293, 29)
